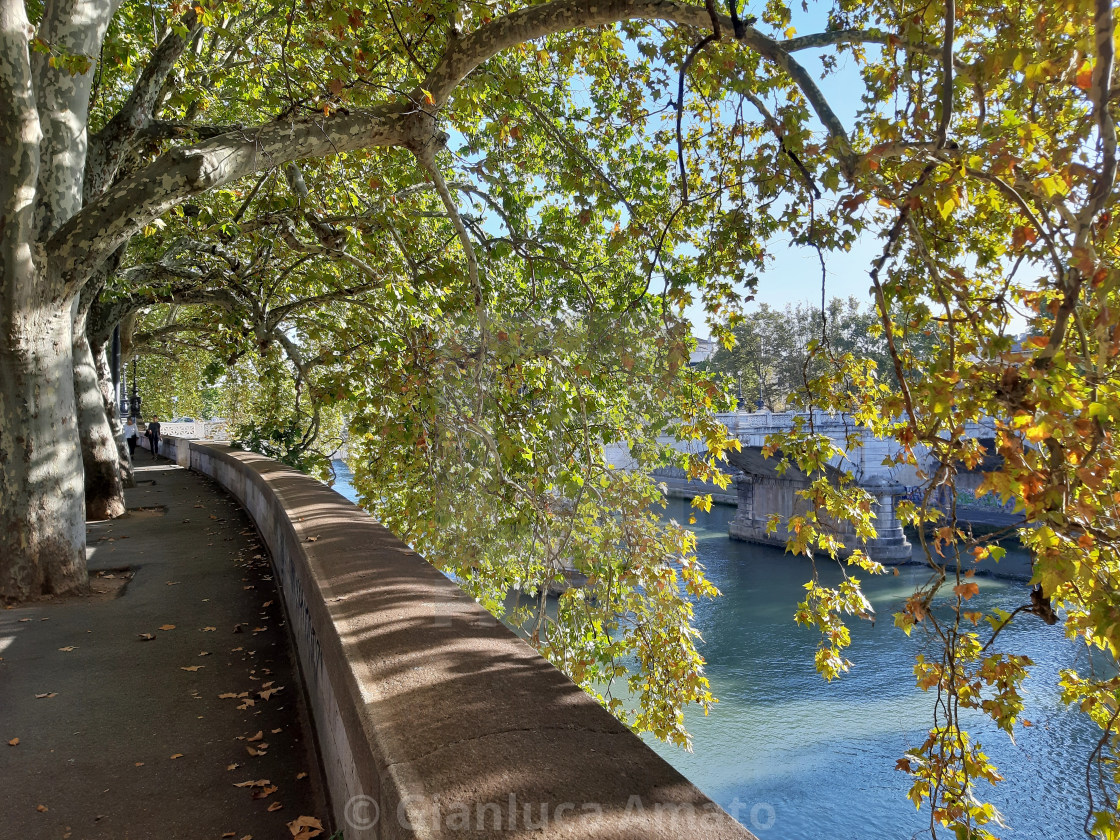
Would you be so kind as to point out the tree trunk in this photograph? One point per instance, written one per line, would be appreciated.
(42, 526)
(108, 395)
(104, 491)
(101, 457)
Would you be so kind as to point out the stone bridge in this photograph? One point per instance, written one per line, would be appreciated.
(760, 492)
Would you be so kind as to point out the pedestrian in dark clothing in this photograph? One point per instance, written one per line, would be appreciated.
(153, 436)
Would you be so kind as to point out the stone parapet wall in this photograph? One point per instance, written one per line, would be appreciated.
(432, 719)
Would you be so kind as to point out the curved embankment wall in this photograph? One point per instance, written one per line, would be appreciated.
(432, 719)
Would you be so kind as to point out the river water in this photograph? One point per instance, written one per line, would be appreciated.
(796, 758)
(814, 758)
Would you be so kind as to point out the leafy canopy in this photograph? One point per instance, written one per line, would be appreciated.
(489, 313)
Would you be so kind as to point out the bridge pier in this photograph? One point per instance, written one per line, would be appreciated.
(764, 493)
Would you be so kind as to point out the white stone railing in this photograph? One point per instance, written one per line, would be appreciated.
(198, 430)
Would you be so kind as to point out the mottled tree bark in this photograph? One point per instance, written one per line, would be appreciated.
(104, 491)
(108, 395)
(42, 514)
(42, 157)
(101, 451)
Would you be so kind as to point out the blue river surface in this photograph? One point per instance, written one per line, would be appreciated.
(794, 757)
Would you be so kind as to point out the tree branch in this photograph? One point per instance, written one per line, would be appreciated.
(123, 209)
(279, 313)
(98, 229)
(109, 147)
(947, 74)
(1106, 126)
(62, 95)
(157, 130)
(427, 160)
(467, 53)
(776, 128)
(20, 135)
(692, 53)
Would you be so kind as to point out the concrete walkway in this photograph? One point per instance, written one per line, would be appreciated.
(139, 715)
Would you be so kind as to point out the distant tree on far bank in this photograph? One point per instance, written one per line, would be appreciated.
(777, 352)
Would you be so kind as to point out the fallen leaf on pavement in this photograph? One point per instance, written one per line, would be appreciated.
(167, 627)
(259, 736)
(190, 667)
(204, 653)
(229, 695)
(304, 828)
(139, 763)
(24, 619)
(42, 809)
(301, 775)
(48, 694)
(209, 629)
(233, 766)
(68, 648)
(268, 692)
(177, 755)
(14, 742)
(253, 751)
(252, 783)
(266, 792)
(147, 637)
(275, 806)
(277, 730)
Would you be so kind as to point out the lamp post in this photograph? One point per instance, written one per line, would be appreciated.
(123, 393)
(134, 400)
(761, 396)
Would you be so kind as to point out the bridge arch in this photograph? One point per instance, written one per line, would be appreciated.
(763, 493)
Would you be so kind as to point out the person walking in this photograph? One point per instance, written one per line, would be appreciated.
(153, 436)
(131, 437)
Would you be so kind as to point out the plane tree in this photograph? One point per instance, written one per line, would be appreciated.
(627, 159)
(491, 434)
(67, 211)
